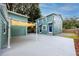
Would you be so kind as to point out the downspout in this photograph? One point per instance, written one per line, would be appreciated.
(53, 25)
(9, 32)
(9, 28)
(36, 30)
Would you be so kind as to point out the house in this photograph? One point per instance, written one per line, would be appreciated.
(11, 24)
(3, 27)
(51, 24)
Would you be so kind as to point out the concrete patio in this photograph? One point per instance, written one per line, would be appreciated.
(44, 45)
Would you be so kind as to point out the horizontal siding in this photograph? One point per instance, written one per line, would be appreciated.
(18, 18)
(0, 32)
(3, 37)
(18, 30)
(56, 21)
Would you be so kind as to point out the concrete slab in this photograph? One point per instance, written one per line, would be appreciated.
(44, 46)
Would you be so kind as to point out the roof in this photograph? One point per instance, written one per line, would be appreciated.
(53, 14)
(50, 15)
(17, 14)
(19, 23)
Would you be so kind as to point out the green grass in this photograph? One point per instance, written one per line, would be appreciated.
(74, 37)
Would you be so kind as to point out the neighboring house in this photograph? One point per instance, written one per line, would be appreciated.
(51, 24)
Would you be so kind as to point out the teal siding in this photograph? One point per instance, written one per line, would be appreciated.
(50, 20)
(18, 30)
(57, 24)
(4, 36)
(44, 24)
(3, 29)
(0, 31)
(17, 17)
(15, 30)
(56, 21)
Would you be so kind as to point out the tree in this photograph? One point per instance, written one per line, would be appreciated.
(34, 12)
(30, 9)
(71, 23)
(11, 6)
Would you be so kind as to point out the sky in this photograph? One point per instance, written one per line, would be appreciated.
(65, 9)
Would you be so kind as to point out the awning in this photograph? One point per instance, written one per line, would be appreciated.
(20, 23)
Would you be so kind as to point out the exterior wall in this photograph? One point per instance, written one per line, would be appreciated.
(0, 31)
(15, 30)
(44, 25)
(54, 20)
(18, 30)
(3, 29)
(43, 22)
(57, 24)
(17, 17)
(4, 35)
(50, 20)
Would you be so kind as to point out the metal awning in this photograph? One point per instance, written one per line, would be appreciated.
(20, 23)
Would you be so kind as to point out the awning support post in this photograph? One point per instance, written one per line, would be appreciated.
(9, 33)
(36, 32)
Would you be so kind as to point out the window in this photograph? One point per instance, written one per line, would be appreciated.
(44, 27)
(4, 28)
(50, 27)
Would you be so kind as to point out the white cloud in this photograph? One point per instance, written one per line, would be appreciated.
(67, 7)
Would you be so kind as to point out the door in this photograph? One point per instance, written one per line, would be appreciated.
(50, 28)
(40, 28)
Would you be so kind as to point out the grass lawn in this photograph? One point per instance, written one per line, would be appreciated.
(74, 37)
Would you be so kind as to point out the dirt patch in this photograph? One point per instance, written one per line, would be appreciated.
(69, 30)
(75, 31)
(76, 41)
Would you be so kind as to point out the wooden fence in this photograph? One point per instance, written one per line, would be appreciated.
(76, 31)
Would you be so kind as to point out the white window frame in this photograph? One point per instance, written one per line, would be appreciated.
(45, 27)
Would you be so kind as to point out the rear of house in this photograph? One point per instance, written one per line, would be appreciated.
(51, 24)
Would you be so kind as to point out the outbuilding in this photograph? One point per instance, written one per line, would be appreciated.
(18, 24)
